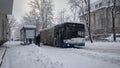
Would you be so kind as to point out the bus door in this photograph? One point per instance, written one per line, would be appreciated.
(58, 40)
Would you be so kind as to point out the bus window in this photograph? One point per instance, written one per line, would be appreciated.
(81, 34)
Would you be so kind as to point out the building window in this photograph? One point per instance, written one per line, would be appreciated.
(86, 9)
(96, 6)
(109, 2)
(100, 4)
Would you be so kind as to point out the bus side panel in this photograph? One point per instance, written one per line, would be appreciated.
(50, 36)
(43, 37)
(47, 36)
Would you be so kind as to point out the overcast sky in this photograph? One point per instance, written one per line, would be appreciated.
(21, 7)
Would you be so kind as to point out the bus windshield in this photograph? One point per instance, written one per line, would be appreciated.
(74, 31)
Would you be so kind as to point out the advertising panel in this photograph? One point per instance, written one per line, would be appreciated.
(30, 33)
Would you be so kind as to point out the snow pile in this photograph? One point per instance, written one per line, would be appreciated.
(90, 56)
(12, 43)
(29, 56)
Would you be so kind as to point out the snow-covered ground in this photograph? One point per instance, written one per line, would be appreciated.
(109, 47)
(97, 55)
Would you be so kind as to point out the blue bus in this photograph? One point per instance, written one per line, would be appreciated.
(67, 34)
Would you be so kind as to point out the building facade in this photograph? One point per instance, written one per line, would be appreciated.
(3, 28)
(5, 9)
(101, 17)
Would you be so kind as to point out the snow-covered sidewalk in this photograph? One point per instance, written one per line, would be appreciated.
(28, 56)
(32, 56)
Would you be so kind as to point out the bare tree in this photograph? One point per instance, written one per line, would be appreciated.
(63, 16)
(45, 9)
(115, 10)
(74, 11)
(12, 23)
(84, 11)
(32, 18)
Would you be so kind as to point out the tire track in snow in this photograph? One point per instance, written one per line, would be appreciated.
(109, 57)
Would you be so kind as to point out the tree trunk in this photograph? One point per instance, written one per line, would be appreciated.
(113, 26)
(89, 22)
(113, 21)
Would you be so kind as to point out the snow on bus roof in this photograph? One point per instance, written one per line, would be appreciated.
(59, 24)
(29, 26)
(72, 22)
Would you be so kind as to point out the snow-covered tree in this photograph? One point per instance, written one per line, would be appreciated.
(44, 8)
(83, 8)
(12, 23)
(115, 10)
(63, 16)
(75, 15)
(32, 18)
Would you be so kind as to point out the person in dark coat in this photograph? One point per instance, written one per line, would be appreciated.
(38, 40)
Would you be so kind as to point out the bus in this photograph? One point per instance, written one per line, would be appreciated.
(67, 34)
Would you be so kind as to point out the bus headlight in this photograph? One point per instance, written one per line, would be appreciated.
(65, 41)
(83, 40)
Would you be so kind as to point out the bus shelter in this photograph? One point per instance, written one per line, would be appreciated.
(28, 34)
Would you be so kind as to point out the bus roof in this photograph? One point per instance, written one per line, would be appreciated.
(62, 24)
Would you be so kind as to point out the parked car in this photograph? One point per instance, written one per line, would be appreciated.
(100, 37)
(110, 37)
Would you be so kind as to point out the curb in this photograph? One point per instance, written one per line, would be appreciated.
(3, 57)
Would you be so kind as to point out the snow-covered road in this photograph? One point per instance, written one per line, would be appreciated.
(109, 47)
(32, 56)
